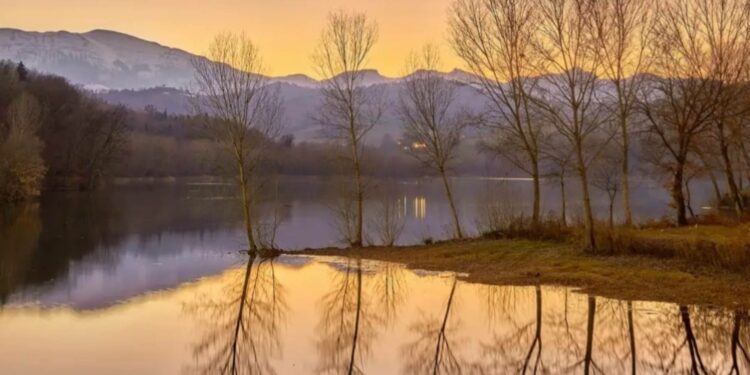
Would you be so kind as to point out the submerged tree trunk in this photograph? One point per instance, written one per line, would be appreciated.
(454, 211)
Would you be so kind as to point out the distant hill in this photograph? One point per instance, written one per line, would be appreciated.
(103, 59)
(301, 104)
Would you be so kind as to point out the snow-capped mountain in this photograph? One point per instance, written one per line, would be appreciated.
(100, 59)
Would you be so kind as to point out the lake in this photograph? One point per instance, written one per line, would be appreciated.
(149, 279)
(299, 315)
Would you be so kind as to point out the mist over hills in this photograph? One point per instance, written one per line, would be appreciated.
(123, 69)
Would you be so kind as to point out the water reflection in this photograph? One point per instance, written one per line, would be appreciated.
(111, 245)
(242, 322)
(292, 315)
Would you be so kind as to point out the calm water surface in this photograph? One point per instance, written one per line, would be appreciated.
(299, 315)
(150, 280)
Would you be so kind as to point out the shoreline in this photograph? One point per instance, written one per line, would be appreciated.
(530, 262)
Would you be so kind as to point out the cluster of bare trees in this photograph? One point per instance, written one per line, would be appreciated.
(52, 134)
(572, 80)
(571, 85)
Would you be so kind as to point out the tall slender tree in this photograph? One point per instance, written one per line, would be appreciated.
(432, 120)
(621, 32)
(680, 103)
(496, 40)
(569, 92)
(349, 109)
(241, 111)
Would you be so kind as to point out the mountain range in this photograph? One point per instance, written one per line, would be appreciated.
(103, 60)
(127, 70)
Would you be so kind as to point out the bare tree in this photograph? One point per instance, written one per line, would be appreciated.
(725, 32)
(431, 120)
(560, 156)
(496, 39)
(569, 95)
(349, 109)
(679, 104)
(242, 112)
(621, 30)
(608, 178)
(389, 218)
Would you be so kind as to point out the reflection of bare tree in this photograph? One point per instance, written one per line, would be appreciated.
(631, 334)
(697, 366)
(243, 321)
(739, 318)
(432, 352)
(507, 353)
(346, 327)
(588, 361)
(390, 291)
(536, 343)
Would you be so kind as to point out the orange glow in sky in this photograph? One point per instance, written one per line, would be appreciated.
(285, 30)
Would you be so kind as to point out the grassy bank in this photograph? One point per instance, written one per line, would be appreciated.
(631, 277)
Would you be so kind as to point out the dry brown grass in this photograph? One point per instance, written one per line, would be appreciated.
(524, 262)
(722, 246)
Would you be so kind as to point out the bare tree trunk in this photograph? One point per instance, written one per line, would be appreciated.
(588, 215)
(678, 196)
(611, 213)
(563, 213)
(454, 211)
(247, 215)
(729, 172)
(536, 215)
(689, 198)
(626, 171)
(360, 198)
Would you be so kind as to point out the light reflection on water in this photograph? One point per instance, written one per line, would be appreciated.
(295, 315)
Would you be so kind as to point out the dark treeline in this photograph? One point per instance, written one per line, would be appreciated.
(55, 136)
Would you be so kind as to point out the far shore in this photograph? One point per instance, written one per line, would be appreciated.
(532, 262)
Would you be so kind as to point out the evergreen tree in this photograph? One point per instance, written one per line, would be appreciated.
(23, 73)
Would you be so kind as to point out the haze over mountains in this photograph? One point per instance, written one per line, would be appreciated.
(126, 70)
(109, 60)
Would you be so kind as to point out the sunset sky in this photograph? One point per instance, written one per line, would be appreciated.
(285, 30)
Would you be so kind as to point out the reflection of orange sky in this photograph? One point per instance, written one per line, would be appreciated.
(490, 329)
(286, 30)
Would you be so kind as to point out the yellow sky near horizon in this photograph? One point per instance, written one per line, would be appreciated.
(285, 30)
